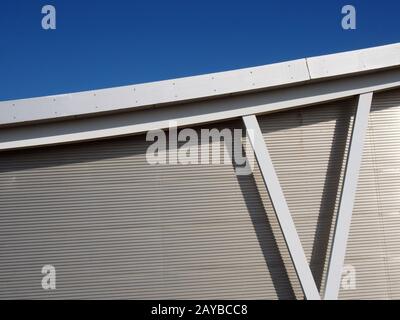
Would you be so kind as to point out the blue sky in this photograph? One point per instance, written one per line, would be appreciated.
(100, 44)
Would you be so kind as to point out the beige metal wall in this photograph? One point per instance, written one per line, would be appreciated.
(114, 227)
(374, 246)
(308, 148)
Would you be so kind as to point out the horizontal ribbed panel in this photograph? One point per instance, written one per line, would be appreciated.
(116, 227)
(374, 246)
(308, 148)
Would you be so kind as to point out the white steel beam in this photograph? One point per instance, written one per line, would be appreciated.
(140, 121)
(208, 86)
(349, 188)
(281, 209)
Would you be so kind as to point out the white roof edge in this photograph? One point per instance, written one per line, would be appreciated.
(199, 87)
(351, 62)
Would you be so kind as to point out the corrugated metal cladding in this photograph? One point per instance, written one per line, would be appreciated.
(115, 227)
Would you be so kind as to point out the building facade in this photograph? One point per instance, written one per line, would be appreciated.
(317, 215)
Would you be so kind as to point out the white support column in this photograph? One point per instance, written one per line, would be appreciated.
(281, 209)
(349, 188)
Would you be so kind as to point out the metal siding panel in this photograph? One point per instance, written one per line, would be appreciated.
(116, 227)
(308, 148)
(373, 247)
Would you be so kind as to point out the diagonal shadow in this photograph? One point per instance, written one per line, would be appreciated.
(329, 194)
(265, 236)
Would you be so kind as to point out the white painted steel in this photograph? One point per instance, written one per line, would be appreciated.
(357, 61)
(281, 208)
(113, 125)
(153, 93)
(346, 205)
(208, 86)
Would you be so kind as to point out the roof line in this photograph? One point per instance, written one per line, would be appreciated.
(208, 86)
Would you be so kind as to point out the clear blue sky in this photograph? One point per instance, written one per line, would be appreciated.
(101, 44)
